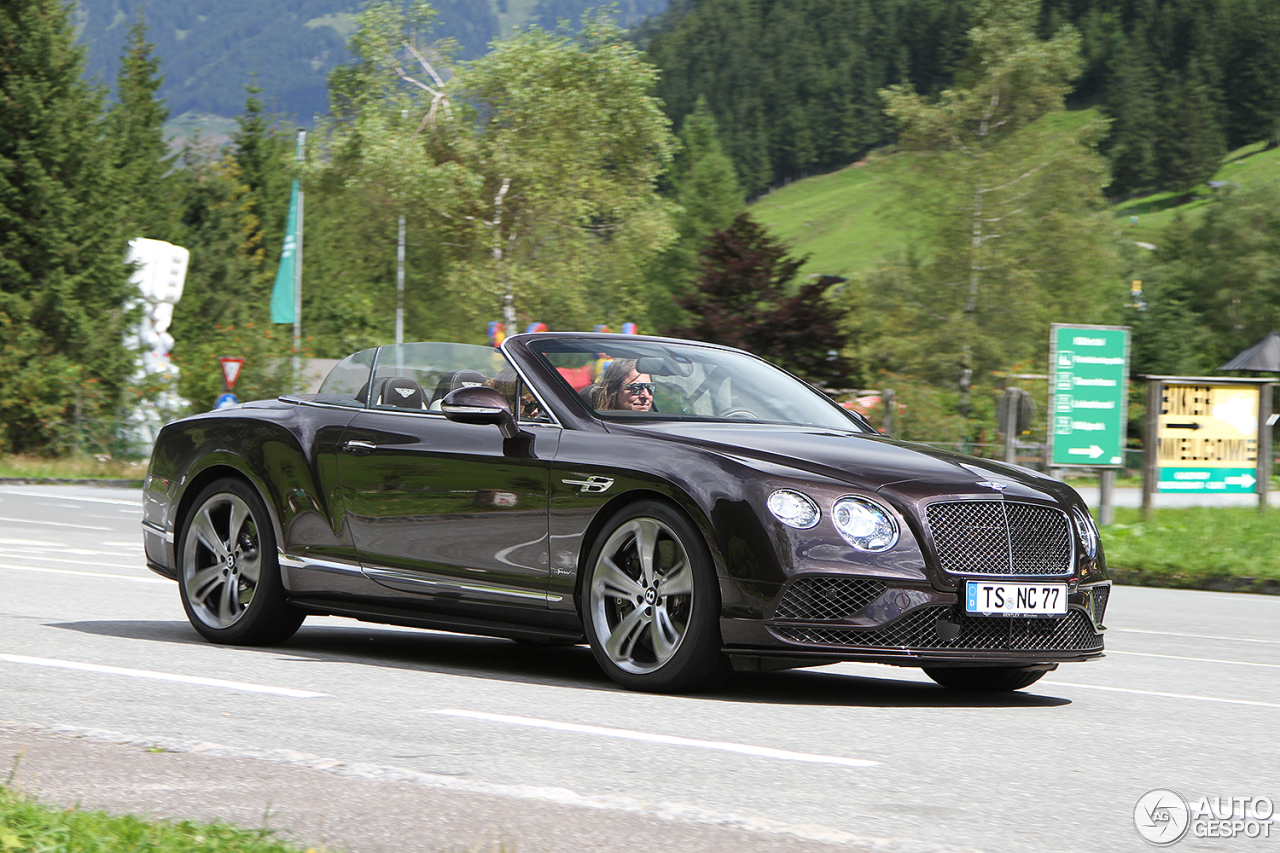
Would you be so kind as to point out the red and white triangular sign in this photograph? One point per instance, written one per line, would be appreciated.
(231, 370)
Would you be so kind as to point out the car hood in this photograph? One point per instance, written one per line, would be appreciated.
(871, 462)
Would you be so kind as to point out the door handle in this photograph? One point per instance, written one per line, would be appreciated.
(359, 448)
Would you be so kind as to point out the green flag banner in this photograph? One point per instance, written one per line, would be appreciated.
(282, 294)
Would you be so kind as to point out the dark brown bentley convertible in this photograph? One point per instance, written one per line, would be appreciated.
(685, 509)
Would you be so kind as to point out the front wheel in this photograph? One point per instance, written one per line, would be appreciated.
(986, 679)
(229, 574)
(651, 602)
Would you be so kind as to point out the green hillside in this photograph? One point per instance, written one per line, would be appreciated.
(847, 220)
(1142, 219)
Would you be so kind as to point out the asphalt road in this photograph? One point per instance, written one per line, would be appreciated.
(366, 738)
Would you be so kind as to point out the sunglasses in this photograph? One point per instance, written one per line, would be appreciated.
(639, 388)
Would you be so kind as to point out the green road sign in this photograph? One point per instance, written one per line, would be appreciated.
(1088, 395)
(1239, 481)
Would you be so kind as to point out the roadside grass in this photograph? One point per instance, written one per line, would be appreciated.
(27, 826)
(1229, 548)
(78, 467)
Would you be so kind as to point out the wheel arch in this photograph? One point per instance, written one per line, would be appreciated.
(688, 507)
(213, 473)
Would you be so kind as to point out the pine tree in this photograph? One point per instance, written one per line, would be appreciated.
(263, 156)
(63, 280)
(1251, 69)
(705, 185)
(1135, 121)
(1191, 146)
(135, 131)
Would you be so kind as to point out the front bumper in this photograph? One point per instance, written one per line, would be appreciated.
(877, 620)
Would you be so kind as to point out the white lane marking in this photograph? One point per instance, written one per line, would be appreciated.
(54, 523)
(85, 498)
(49, 571)
(1191, 636)
(163, 676)
(46, 557)
(25, 549)
(1220, 699)
(1196, 660)
(669, 740)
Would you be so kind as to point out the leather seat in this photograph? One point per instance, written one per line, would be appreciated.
(400, 393)
(454, 379)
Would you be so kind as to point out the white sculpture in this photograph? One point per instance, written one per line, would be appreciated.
(159, 275)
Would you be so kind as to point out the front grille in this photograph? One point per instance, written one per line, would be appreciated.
(1000, 538)
(1099, 595)
(827, 598)
(1071, 633)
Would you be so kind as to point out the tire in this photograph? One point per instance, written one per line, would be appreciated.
(986, 679)
(228, 570)
(651, 603)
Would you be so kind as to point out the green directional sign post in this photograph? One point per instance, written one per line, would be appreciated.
(1088, 395)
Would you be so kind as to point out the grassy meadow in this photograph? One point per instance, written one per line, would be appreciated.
(848, 220)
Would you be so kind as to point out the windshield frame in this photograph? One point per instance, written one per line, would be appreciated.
(672, 365)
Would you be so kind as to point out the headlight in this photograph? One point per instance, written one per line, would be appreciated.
(1087, 530)
(794, 509)
(864, 524)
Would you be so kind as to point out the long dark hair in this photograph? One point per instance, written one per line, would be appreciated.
(610, 383)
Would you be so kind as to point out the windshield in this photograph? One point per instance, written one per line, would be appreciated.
(641, 381)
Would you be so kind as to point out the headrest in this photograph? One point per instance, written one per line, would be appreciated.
(455, 379)
(401, 393)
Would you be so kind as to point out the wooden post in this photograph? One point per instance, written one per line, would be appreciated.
(1264, 443)
(1106, 505)
(1150, 456)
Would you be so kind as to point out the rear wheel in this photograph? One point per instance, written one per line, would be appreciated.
(651, 602)
(986, 679)
(229, 574)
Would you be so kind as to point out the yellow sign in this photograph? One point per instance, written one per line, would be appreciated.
(1208, 426)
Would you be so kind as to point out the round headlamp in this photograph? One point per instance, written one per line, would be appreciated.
(794, 509)
(864, 524)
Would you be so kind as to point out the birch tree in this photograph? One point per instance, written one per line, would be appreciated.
(536, 166)
(1018, 235)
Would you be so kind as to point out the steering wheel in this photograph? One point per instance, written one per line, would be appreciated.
(740, 414)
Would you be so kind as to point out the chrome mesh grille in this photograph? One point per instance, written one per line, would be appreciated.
(1000, 538)
(1071, 633)
(1099, 595)
(827, 598)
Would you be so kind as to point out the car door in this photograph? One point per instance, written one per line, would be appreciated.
(448, 510)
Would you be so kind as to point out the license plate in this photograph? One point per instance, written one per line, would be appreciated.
(1015, 599)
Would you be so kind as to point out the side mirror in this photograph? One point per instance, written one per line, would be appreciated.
(480, 404)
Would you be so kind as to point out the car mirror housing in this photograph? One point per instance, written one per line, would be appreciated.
(480, 404)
